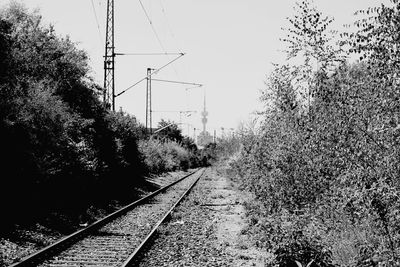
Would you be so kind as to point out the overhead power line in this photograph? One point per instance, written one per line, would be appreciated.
(97, 21)
(155, 31)
(152, 26)
(147, 54)
(196, 86)
(175, 111)
(152, 73)
(177, 82)
(169, 25)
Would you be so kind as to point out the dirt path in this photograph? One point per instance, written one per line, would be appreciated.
(231, 221)
(206, 230)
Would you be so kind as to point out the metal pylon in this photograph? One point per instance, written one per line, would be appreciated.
(109, 59)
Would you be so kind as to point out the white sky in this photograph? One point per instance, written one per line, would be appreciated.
(229, 46)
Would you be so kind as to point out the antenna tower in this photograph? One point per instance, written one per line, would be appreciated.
(109, 59)
(148, 102)
(204, 114)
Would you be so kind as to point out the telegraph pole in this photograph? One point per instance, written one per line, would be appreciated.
(148, 101)
(109, 59)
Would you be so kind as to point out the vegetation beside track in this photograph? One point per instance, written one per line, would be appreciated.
(62, 153)
(323, 160)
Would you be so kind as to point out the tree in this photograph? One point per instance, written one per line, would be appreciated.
(319, 177)
(170, 132)
(189, 144)
(279, 95)
(309, 43)
(56, 137)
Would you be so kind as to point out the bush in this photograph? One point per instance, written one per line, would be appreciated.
(56, 136)
(164, 156)
(323, 165)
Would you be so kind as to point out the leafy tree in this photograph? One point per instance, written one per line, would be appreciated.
(189, 144)
(309, 43)
(170, 132)
(280, 95)
(5, 47)
(319, 178)
(56, 135)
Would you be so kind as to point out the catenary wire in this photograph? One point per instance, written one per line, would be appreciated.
(97, 21)
(147, 54)
(169, 25)
(152, 26)
(154, 72)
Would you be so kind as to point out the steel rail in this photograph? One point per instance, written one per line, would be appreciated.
(58, 246)
(135, 255)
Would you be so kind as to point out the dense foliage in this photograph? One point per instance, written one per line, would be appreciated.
(164, 156)
(61, 150)
(324, 164)
(56, 137)
(169, 131)
(168, 150)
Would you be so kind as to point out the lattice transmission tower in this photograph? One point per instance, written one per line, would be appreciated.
(109, 59)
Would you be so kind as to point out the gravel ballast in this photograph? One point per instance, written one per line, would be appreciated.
(25, 240)
(206, 230)
(112, 244)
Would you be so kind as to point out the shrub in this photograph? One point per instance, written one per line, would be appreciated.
(164, 156)
(56, 136)
(324, 171)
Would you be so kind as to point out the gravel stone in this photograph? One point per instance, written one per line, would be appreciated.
(112, 244)
(206, 229)
(27, 240)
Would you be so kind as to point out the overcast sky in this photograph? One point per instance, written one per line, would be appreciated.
(229, 46)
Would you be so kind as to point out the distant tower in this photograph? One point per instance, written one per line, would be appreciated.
(148, 102)
(204, 137)
(204, 114)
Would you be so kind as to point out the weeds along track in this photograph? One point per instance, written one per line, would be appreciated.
(117, 239)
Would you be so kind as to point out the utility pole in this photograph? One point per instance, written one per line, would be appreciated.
(148, 102)
(149, 79)
(109, 59)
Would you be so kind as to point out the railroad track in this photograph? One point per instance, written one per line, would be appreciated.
(119, 238)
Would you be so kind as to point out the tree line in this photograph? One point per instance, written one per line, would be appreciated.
(323, 163)
(60, 149)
